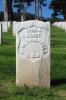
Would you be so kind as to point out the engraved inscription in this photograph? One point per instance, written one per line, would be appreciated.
(33, 43)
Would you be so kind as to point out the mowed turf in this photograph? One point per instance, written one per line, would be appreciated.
(8, 89)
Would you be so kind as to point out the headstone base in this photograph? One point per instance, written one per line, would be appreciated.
(33, 73)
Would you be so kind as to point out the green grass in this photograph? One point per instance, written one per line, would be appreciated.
(8, 89)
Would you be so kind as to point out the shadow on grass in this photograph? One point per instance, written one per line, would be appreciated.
(57, 82)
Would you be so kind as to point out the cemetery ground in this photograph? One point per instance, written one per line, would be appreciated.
(8, 89)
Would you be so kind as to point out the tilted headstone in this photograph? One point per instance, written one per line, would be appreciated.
(33, 54)
(4, 26)
(0, 33)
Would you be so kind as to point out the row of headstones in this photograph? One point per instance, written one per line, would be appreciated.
(4, 28)
(60, 25)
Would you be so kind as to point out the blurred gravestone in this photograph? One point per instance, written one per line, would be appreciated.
(15, 28)
(33, 54)
(61, 25)
(4, 26)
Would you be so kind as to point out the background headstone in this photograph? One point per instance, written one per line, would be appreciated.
(61, 25)
(33, 54)
(4, 26)
(15, 28)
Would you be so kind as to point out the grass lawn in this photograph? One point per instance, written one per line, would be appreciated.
(8, 89)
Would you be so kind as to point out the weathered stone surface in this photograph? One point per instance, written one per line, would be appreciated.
(33, 54)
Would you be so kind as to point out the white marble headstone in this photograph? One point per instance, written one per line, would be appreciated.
(15, 27)
(61, 25)
(33, 53)
(4, 26)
